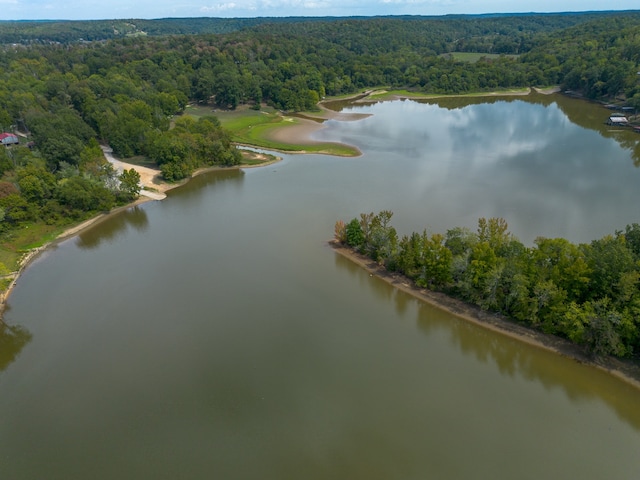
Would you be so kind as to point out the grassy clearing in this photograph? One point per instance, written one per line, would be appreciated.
(27, 238)
(392, 94)
(474, 57)
(9, 258)
(4, 284)
(255, 127)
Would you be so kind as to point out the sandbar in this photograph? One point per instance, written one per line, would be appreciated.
(301, 131)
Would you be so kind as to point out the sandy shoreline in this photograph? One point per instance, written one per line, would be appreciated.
(624, 370)
(301, 132)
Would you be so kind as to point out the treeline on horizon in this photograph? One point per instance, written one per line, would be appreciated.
(129, 93)
(587, 293)
(73, 31)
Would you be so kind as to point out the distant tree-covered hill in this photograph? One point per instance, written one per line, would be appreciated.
(68, 31)
(469, 32)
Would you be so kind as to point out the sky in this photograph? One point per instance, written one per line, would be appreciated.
(149, 9)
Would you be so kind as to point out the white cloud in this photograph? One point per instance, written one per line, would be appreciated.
(436, 4)
(295, 4)
(267, 6)
(316, 4)
(220, 7)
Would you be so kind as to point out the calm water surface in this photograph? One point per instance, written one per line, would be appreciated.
(215, 335)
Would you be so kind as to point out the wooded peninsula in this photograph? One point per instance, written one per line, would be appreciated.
(68, 88)
(588, 293)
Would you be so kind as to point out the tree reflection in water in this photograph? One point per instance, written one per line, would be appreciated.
(113, 227)
(12, 339)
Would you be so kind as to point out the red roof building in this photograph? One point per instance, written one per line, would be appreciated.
(8, 139)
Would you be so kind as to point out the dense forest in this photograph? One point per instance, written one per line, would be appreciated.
(587, 293)
(68, 87)
(60, 31)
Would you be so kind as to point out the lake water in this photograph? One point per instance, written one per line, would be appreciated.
(216, 335)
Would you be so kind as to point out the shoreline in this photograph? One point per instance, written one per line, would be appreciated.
(623, 370)
(301, 133)
(151, 176)
(384, 95)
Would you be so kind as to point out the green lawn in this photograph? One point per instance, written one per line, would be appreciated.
(473, 57)
(254, 127)
(18, 242)
(391, 94)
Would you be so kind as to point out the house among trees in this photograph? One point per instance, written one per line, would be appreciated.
(618, 120)
(8, 139)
